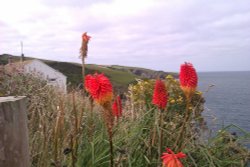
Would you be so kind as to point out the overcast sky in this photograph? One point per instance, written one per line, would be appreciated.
(214, 35)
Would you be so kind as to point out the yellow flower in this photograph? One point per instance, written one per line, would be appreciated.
(169, 77)
(198, 92)
(172, 101)
(179, 101)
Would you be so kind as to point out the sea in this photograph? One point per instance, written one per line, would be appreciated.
(227, 106)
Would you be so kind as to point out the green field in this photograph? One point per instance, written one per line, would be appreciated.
(120, 76)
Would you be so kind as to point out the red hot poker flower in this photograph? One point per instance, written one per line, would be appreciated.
(117, 107)
(160, 96)
(188, 79)
(85, 37)
(99, 87)
(170, 159)
(84, 47)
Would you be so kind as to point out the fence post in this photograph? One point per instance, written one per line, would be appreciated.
(14, 146)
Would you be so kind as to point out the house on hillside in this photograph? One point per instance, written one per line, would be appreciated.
(43, 71)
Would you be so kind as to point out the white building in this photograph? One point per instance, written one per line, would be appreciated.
(42, 70)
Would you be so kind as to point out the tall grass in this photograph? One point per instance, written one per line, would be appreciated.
(68, 129)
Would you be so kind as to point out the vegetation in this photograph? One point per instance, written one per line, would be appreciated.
(69, 130)
(120, 76)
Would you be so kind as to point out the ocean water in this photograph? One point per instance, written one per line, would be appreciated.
(227, 96)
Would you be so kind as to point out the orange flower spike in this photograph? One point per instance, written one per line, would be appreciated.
(160, 96)
(117, 107)
(85, 37)
(188, 79)
(170, 159)
(84, 47)
(99, 87)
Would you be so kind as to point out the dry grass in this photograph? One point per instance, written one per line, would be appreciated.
(68, 130)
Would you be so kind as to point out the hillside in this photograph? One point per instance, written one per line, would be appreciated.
(120, 76)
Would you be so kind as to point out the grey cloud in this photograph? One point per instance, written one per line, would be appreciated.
(167, 34)
(73, 3)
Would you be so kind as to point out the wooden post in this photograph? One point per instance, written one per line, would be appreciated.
(14, 146)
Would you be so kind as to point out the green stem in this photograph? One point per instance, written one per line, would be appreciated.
(92, 126)
(111, 145)
(179, 140)
(108, 117)
(161, 135)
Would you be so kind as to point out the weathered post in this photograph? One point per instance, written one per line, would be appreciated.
(14, 146)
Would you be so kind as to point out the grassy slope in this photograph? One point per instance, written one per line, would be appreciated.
(120, 79)
(117, 76)
(74, 74)
(120, 76)
(149, 72)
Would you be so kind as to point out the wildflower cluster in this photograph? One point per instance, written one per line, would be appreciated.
(99, 87)
(160, 96)
(117, 107)
(77, 129)
(188, 79)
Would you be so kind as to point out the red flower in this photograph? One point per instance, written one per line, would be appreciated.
(188, 79)
(170, 159)
(85, 37)
(160, 96)
(99, 88)
(117, 107)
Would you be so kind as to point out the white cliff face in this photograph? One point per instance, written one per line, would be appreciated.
(45, 72)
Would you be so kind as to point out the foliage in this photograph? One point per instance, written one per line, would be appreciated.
(120, 76)
(68, 129)
(137, 134)
(54, 119)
